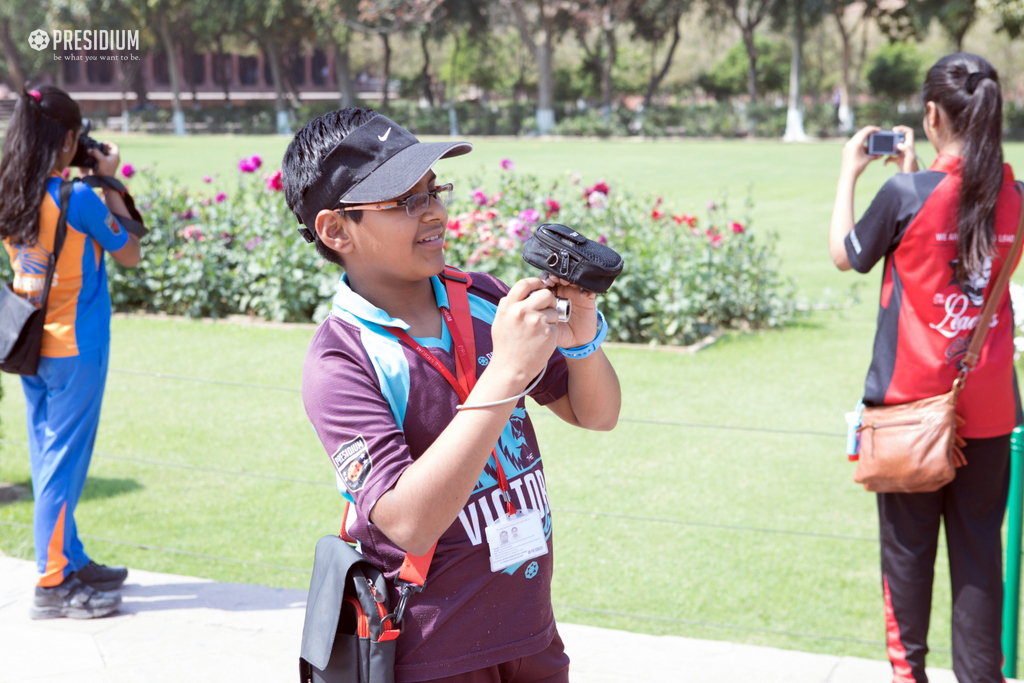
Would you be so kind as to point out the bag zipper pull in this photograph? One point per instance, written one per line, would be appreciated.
(373, 590)
(565, 262)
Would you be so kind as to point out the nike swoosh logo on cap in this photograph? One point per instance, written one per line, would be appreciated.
(383, 138)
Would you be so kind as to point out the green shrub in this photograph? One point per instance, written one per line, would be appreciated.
(684, 277)
(238, 252)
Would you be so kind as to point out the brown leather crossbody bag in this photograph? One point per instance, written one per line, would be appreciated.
(913, 447)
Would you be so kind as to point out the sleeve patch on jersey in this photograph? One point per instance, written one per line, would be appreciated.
(352, 460)
(855, 242)
(111, 224)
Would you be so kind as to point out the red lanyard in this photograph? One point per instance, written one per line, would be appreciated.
(464, 367)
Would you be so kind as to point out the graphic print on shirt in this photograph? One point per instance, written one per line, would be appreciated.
(956, 302)
(30, 264)
(526, 484)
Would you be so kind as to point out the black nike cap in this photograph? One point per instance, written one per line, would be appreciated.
(376, 162)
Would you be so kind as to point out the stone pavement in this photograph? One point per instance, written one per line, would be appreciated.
(183, 630)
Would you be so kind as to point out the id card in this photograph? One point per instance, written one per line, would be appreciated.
(516, 539)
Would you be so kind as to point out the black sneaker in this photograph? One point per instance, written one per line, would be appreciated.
(73, 599)
(102, 577)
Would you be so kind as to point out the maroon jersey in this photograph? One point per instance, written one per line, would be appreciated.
(377, 406)
(926, 315)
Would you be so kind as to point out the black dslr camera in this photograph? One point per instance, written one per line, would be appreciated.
(82, 157)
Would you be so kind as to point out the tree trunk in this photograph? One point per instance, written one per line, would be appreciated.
(545, 84)
(794, 114)
(660, 76)
(748, 41)
(845, 114)
(222, 71)
(387, 73)
(172, 68)
(13, 59)
(453, 115)
(280, 107)
(343, 75)
(606, 72)
(425, 72)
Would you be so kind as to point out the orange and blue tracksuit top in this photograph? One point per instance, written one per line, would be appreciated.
(78, 312)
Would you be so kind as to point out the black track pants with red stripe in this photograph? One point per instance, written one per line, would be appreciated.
(972, 508)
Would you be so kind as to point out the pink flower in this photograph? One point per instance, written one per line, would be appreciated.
(220, 197)
(602, 187)
(66, 173)
(716, 240)
(575, 178)
(127, 170)
(518, 229)
(207, 179)
(251, 244)
(507, 164)
(495, 198)
(684, 218)
(713, 236)
(274, 181)
(455, 227)
(552, 208)
(186, 215)
(657, 214)
(530, 216)
(597, 200)
(479, 197)
(251, 164)
(736, 227)
(601, 239)
(711, 205)
(190, 232)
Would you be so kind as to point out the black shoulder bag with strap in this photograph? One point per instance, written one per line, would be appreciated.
(21, 323)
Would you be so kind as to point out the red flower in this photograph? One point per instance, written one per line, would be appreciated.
(736, 227)
(274, 183)
(681, 218)
(552, 207)
(657, 214)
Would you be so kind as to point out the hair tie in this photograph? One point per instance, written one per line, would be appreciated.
(973, 79)
(35, 95)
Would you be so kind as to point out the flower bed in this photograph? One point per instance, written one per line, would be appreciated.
(686, 276)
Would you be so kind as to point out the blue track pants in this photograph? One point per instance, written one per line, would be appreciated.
(63, 404)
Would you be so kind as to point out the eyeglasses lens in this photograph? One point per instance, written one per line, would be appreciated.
(419, 203)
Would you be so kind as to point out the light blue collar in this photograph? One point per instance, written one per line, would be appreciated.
(346, 301)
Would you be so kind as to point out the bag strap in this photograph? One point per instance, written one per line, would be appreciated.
(995, 294)
(133, 222)
(59, 236)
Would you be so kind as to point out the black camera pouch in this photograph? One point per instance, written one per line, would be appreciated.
(348, 635)
(561, 251)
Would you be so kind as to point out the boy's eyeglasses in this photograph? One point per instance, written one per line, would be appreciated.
(415, 205)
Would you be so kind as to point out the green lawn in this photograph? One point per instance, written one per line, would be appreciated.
(721, 507)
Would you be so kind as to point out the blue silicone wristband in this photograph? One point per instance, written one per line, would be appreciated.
(585, 350)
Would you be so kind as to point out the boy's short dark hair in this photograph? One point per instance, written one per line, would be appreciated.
(301, 165)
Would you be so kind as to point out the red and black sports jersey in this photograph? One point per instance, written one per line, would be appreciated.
(926, 314)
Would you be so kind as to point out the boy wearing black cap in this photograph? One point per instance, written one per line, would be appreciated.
(414, 384)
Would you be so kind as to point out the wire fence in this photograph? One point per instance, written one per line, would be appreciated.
(645, 519)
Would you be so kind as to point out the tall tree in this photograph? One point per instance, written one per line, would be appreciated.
(850, 15)
(910, 19)
(334, 21)
(653, 21)
(537, 23)
(747, 15)
(20, 63)
(601, 17)
(1011, 16)
(798, 15)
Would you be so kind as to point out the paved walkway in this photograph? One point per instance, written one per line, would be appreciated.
(177, 629)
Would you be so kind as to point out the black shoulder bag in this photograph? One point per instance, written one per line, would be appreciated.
(21, 323)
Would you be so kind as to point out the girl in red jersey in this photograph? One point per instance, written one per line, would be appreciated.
(942, 234)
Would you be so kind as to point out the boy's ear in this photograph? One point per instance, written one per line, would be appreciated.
(333, 231)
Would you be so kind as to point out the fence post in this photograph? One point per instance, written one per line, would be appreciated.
(1011, 587)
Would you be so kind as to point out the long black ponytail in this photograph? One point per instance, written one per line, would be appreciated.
(967, 88)
(34, 136)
